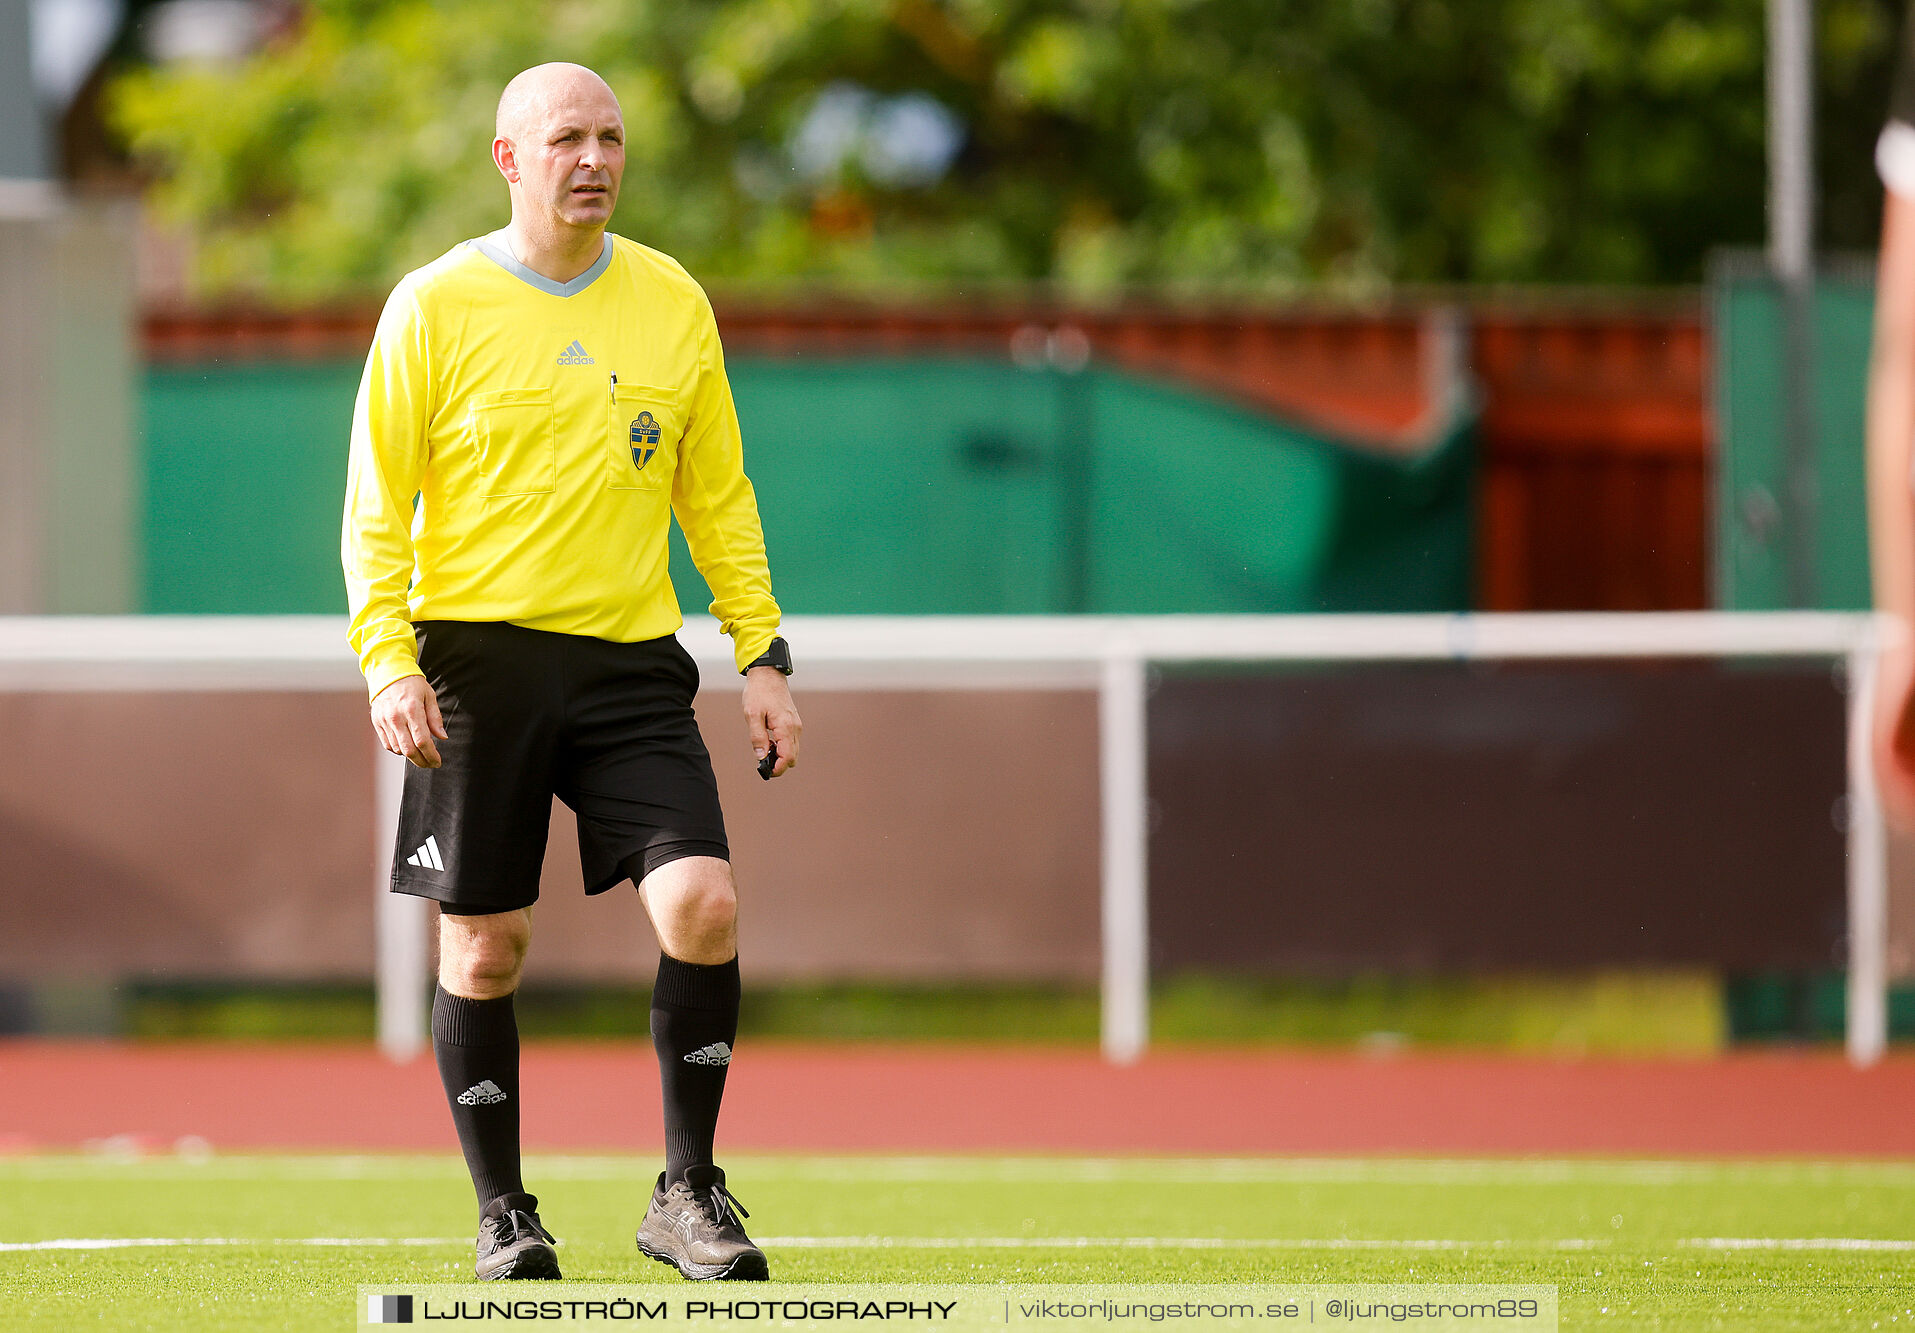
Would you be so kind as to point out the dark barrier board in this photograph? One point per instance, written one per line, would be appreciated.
(1443, 818)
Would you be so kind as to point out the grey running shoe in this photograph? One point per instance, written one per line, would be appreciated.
(512, 1244)
(694, 1227)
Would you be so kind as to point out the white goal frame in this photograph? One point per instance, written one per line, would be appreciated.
(1108, 654)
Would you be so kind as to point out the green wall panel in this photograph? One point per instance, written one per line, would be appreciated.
(955, 487)
(245, 479)
(887, 486)
(1751, 537)
(902, 486)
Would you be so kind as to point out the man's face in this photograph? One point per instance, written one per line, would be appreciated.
(570, 154)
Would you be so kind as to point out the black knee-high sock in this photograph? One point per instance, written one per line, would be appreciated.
(477, 1046)
(694, 1023)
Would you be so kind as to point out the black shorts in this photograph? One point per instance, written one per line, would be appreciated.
(605, 727)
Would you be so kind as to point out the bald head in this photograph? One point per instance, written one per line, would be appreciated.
(559, 141)
(535, 94)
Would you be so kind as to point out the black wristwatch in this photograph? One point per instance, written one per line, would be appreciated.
(778, 655)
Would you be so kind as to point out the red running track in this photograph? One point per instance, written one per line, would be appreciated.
(939, 1099)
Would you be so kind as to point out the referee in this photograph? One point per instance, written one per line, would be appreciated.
(553, 396)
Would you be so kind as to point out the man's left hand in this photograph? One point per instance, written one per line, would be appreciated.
(772, 717)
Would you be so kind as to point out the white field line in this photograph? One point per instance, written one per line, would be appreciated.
(1315, 1170)
(1156, 1243)
(990, 1170)
(868, 1243)
(1024, 1243)
(149, 1242)
(1794, 1243)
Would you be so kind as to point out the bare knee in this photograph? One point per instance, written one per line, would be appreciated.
(709, 910)
(480, 957)
(694, 908)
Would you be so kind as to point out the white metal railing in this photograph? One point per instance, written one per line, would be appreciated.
(1108, 654)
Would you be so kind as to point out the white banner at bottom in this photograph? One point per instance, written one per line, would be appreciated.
(1039, 1307)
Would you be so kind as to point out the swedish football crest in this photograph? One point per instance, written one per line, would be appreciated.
(644, 440)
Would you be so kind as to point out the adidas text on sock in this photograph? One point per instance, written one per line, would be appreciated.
(476, 1044)
(694, 1026)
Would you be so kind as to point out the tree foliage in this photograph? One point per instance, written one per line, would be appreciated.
(1248, 146)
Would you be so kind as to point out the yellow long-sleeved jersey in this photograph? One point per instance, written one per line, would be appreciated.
(550, 431)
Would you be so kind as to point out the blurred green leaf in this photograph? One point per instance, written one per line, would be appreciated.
(1253, 146)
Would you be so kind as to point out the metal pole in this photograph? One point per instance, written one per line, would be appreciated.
(1867, 870)
(1791, 80)
(399, 926)
(1126, 857)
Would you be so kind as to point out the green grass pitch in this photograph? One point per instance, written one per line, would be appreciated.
(1630, 1244)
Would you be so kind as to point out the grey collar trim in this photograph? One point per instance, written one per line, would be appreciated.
(493, 246)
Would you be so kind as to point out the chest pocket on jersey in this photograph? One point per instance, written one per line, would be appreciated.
(512, 431)
(643, 435)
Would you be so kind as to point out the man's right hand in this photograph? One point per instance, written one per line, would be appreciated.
(406, 716)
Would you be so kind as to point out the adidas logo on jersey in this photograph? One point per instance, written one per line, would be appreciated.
(575, 355)
(715, 1054)
(427, 857)
(481, 1094)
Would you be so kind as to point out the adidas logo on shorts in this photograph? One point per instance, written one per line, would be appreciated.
(481, 1094)
(427, 857)
(715, 1054)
